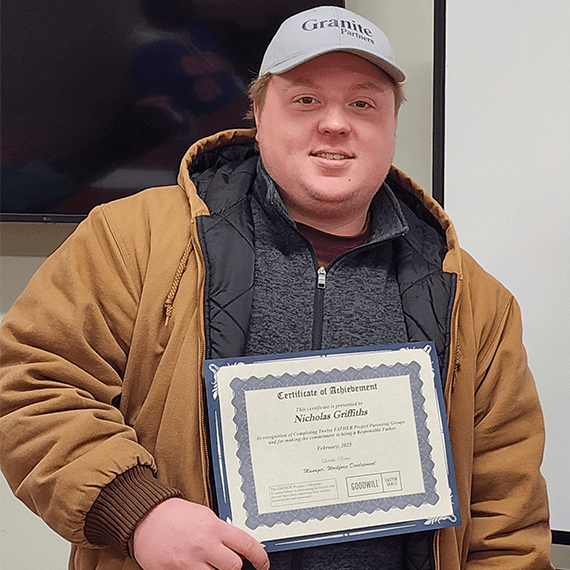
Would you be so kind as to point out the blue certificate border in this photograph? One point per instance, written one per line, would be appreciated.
(254, 518)
(241, 387)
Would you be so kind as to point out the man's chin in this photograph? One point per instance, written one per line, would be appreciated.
(332, 190)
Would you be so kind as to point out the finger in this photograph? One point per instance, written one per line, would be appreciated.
(224, 558)
(244, 544)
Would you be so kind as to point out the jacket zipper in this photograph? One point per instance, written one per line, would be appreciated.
(321, 284)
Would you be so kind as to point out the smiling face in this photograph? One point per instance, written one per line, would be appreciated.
(326, 135)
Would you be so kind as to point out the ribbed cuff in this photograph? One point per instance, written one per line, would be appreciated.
(121, 505)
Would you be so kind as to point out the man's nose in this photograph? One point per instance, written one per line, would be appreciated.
(334, 122)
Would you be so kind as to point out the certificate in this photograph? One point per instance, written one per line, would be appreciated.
(331, 446)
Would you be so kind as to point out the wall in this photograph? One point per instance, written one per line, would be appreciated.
(507, 152)
(25, 541)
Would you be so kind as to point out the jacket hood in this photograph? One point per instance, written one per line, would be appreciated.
(452, 262)
(212, 153)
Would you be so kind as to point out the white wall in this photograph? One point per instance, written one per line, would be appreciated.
(25, 541)
(506, 187)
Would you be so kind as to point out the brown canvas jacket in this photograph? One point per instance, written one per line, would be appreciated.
(102, 366)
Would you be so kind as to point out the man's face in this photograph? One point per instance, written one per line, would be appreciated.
(326, 134)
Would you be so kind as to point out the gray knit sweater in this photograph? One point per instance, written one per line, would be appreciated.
(355, 303)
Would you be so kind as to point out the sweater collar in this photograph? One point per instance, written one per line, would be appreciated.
(387, 221)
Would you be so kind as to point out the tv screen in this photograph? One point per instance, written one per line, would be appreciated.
(101, 99)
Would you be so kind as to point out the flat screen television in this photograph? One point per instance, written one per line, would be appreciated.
(101, 99)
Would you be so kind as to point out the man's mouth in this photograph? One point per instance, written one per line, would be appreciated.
(332, 156)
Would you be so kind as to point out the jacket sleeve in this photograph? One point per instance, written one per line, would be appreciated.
(509, 507)
(64, 348)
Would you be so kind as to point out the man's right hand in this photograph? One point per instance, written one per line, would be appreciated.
(180, 535)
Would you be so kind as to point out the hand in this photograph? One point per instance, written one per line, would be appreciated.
(180, 535)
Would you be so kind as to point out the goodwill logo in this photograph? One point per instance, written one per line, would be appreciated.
(350, 28)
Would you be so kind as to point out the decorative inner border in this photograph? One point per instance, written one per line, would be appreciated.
(256, 519)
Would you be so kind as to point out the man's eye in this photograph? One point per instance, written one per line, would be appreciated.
(362, 104)
(306, 100)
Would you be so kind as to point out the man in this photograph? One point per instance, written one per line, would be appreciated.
(297, 236)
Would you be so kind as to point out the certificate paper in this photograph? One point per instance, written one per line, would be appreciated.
(331, 446)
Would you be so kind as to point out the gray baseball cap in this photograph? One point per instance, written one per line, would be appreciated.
(325, 29)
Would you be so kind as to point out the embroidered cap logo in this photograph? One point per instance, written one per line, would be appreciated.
(351, 28)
